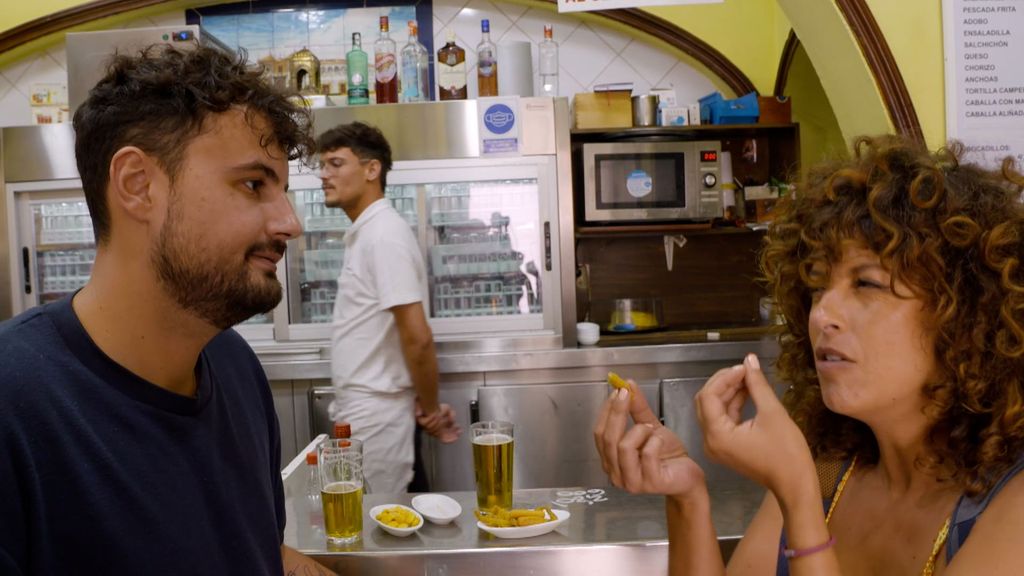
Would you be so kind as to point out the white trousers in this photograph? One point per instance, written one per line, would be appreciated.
(386, 424)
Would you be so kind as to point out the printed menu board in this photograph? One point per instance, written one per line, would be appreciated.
(984, 53)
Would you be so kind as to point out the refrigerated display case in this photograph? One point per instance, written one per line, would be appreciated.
(488, 229)
(47, 240)
(55, 240)
(319, 254)
(492, 229)
(481, 227)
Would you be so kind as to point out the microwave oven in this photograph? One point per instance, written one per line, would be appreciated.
(635, 181)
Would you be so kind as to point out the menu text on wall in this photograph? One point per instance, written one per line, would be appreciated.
(984, 57)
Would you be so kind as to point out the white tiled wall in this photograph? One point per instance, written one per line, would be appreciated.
(589, 54)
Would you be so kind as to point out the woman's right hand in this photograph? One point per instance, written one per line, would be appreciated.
(646, 458)
(768, 448)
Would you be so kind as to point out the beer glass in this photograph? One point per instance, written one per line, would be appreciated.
(340, 461)
(492, 463)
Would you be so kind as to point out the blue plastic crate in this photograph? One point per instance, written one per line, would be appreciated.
(709, 107)
(714, 109)
(742, 110)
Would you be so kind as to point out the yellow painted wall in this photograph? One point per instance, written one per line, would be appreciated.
(820, 136)
(913, 30)
(744, 31)
(18, 12)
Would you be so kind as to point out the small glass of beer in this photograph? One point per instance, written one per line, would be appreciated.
(492, 463)
(340, 461)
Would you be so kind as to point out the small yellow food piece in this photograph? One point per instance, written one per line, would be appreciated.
(616, 381)
(398, 517)
(496, 517)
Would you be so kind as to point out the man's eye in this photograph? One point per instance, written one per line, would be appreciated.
(254, 185)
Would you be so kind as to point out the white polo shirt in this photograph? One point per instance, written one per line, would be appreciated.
(383, 268)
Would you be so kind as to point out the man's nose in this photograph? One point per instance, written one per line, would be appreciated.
(283, 222)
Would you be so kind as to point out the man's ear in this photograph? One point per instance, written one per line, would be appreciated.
(132, 174)
(373, 169)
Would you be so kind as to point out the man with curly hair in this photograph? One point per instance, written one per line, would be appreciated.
(899, 447)
(139, 433)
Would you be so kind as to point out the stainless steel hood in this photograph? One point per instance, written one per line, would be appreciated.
(90, 52)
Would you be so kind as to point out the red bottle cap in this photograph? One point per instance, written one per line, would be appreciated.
(342, 430)
(311, 458)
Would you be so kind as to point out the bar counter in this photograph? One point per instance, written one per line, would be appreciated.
(610, 532)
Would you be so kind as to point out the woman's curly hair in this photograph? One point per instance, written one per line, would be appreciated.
(158, 99)
(954, 233)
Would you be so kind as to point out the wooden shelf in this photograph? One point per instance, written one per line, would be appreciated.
(628, 132)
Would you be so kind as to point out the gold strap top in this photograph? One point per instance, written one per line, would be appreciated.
(940, 538)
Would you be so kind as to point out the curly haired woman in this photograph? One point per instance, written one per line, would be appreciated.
(899, 275)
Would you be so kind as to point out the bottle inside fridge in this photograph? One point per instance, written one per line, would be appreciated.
(64, 247)
(485, 252)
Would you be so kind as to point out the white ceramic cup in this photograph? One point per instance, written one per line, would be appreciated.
(588, 333)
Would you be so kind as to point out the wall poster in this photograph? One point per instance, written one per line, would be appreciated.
(984, 41)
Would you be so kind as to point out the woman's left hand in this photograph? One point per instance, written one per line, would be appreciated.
(767, 448)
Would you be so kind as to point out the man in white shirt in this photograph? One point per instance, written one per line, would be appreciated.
(383, 363)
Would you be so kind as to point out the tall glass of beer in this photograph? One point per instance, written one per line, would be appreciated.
(492, 463)
(340, 462)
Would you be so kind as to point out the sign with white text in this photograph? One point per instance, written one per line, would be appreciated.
(499, 126)
(588, 5)
(984, 40)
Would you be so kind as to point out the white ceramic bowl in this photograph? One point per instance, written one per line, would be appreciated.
(588, 333)
(391, 529)
(437, 508)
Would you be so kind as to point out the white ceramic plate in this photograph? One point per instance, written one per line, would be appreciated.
(391, 529)
(437, 508)
(527, 531)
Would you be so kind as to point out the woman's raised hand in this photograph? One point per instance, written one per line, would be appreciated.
(767, 448)
(644, 458)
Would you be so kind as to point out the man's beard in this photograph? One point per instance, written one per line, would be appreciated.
(221, 293)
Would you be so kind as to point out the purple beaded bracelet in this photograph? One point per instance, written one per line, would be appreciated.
(796, 553)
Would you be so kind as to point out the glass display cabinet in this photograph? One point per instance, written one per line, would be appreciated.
(484, 229)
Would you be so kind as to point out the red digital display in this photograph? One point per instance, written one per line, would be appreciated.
(709, 156)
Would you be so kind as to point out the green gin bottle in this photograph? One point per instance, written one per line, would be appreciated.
(356, 61)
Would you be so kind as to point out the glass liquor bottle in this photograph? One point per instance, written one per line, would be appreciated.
(547, 60)
(415, 81)
(451, 67)
(358, 87)
(385, 65)
(487, 62)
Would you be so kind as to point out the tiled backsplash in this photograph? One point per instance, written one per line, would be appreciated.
(589, 54)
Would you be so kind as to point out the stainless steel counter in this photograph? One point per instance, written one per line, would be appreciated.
(609, 533)
(311, 361)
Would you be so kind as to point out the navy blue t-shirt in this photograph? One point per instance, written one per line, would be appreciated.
(102, 472)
